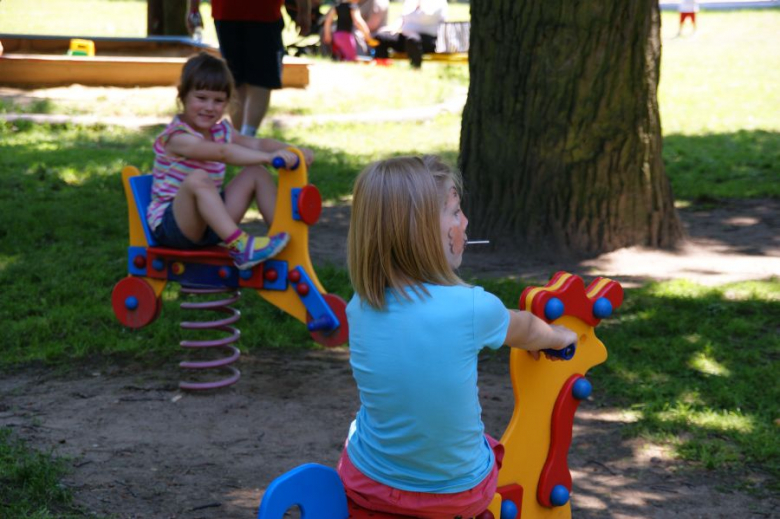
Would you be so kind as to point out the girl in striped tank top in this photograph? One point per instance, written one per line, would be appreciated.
(190, 207)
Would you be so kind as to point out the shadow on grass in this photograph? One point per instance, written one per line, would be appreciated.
(705, 168)
(731, 183)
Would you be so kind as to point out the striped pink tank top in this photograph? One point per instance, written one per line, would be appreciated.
(169, 170)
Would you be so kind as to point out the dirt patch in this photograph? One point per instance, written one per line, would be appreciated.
(140, 448)
(735, 240)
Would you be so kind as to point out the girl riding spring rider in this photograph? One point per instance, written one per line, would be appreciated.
(189, 207)
(417, 445)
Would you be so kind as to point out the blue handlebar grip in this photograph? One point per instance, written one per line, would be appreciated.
(278, 163)
(566, 353)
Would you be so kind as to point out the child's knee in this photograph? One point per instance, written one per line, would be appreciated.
(198, 179)
(259, 173)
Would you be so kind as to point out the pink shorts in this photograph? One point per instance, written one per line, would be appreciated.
(373, 495)
(344, 46)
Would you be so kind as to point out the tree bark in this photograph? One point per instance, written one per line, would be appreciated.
(561, 135)
(166, 17)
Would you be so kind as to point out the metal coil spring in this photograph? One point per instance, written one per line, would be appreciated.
(225, 343)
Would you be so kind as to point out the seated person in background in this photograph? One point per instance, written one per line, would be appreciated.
(416, 34)
(374, 12)
(343, 42)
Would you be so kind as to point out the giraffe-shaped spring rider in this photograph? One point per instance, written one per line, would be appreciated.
(288, 281)
(534, 481)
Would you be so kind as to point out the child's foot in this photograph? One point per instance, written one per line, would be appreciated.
(247, 251)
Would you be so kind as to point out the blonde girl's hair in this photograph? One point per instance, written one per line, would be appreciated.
(205, 71)
(394, 238)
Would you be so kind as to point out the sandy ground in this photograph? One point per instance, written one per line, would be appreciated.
(140, 448)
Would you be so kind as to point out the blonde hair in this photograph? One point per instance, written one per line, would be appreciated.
(394, 236)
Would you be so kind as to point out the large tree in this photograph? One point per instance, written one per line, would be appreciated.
(561, 136)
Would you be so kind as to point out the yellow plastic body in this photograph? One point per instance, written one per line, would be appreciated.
(297, 251)
(137, 235)
(535, 385)
(495, 506)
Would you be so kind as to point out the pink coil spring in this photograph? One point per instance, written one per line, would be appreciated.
(225, 343)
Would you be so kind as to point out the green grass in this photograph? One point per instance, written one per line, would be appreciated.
(696, 367)
(708, 167)
(29, 483)
(720, 110)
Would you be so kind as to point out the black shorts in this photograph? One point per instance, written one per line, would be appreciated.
(168, 233)
(253, 51)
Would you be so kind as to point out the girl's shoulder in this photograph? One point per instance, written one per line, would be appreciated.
(177, 125)
(222, 131)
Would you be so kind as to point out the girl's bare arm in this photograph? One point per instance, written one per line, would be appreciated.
(194, 148)
(528, 332)
(271, 146)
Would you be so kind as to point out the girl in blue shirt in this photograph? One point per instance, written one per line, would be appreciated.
(418, 445)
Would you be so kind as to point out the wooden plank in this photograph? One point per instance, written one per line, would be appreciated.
(33, 70)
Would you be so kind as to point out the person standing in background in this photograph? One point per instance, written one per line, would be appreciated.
(688, 9)
(250, 40)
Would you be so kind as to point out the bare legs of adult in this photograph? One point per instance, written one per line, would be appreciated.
(251, 105)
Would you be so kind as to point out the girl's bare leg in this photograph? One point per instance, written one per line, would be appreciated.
(253, 183)
(198, 204)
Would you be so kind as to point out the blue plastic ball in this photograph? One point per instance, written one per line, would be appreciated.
(582, 389)
(508, 510)
(131, 303)
(158, 264)
(602, 308)
(553, 309)
(559, 495)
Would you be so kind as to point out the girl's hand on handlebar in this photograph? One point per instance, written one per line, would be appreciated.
(562, 338)
(290, 159)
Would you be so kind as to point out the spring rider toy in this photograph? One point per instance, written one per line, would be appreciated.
(534, 481)
(288, 281)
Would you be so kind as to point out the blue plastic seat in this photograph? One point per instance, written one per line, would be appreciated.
(316, 489)
(141, 185)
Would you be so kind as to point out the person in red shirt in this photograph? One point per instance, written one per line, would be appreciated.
(250, 40)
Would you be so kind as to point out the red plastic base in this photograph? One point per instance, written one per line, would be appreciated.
(340, 335)
(556, 468)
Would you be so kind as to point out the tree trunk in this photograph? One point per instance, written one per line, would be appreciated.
(561, 137)
(166, 17)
